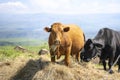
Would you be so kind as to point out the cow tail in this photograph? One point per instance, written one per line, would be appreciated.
(84, 37)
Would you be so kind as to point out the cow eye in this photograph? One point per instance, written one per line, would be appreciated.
(53, 31)
(90, 47)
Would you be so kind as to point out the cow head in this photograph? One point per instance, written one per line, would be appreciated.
(57, 30)
(90, 50)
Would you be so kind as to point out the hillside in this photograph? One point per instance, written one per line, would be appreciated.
(41, 68)
(21, 41)
(31, 25)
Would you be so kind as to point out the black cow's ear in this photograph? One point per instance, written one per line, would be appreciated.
(47, 29)
(66, 29)
(90, 40)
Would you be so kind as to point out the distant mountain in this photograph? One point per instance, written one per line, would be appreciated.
(31, 25)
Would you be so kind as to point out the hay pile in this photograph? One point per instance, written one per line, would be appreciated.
(43, 69)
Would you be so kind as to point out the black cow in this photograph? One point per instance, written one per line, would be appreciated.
(106, 45)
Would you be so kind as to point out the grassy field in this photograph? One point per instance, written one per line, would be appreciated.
(8, 52)
(16, 65)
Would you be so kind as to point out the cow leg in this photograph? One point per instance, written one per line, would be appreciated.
(111, 60)
(119, 65)
(110, 63)
(78, 56)
(53, 59)
(104, 64)
(67, 56)
(52, 56)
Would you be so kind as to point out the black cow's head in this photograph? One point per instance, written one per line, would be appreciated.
(90, 50)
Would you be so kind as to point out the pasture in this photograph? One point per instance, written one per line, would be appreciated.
(15, 65)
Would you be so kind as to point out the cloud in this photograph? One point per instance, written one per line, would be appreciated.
(74, 6)
(98, 7)
(12, 7)
(61, 6)
(50, 6)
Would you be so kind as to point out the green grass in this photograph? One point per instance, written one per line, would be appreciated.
(8, 52)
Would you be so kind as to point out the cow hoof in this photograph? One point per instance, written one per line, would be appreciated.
(53, 62)
(105, 69)
(111, 71)
(119, 71)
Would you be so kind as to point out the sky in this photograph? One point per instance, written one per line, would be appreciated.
(59, 6)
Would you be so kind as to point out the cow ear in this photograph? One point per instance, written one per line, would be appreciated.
(90, 40)
(66, 29)
(47, 29)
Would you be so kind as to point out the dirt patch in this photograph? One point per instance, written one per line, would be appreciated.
(43, 69)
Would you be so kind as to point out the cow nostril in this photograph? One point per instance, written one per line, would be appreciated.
(57, 42)
(86, 59)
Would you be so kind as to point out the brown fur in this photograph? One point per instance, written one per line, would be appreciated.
(66, 40)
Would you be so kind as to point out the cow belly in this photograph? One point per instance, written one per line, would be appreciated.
(77, 45)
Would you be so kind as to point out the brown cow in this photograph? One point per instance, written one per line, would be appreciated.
(65, 40)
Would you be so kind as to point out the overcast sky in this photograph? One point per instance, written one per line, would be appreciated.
(59, 6)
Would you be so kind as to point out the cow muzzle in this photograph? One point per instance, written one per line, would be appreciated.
(86, 59)
(57, 42)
